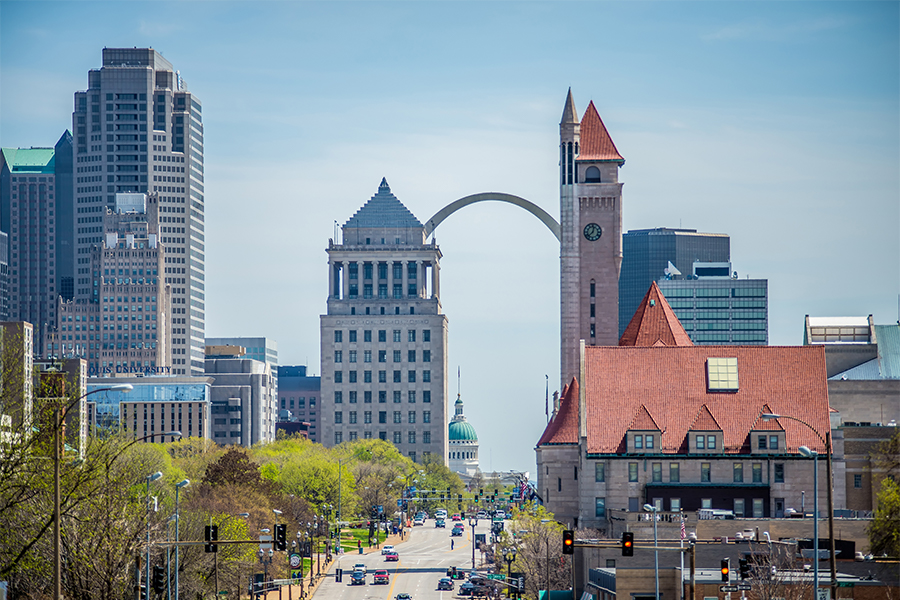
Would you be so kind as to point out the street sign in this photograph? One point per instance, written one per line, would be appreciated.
(263, 545)
(728, 588)
(845, 584)
(496, 576)
(823, 594)
(744, 586)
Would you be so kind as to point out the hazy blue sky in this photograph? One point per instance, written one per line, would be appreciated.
(777, 123)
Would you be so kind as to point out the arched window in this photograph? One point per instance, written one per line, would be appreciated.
(592, 175)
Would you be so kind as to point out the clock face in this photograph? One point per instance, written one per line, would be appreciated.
(592, 232)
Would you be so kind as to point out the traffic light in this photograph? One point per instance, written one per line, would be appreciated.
(568, 542)
(744, 568)
(726, 569)
(281, 537)
(628, 543)
(159, 580)
(212, 534)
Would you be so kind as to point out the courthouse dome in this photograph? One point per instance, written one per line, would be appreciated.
(462, 431)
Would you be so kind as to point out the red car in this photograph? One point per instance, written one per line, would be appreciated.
(392, 556)
(456, 518)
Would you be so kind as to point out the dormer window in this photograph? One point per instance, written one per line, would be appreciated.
(642, 442)
(592, 175)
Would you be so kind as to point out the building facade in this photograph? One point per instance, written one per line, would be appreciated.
(648, 252)
(717, 308)
(463, 443)
(299, 395)
(16, 367)
(127, 328)
(137, 129)
(688, 432)
(36, 215)
(244, 397)
(590, 212)
(262, 349)
(384, 337)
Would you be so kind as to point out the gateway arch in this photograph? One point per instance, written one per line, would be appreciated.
(531, 207)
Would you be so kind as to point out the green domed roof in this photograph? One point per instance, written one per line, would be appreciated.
(461, 431)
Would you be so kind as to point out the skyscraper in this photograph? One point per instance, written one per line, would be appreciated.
(36, 215)
(384, 337)
(648, 252)
(137, 129)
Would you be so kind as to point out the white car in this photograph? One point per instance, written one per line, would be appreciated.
(360, 567)
(500, 514)
(387, 549)
(418, 521)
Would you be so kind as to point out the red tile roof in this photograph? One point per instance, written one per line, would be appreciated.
(563, 426)
(705, 421)
(671, 383)
(764, 425)
(595, 143)
(643, 421)
(654, 323)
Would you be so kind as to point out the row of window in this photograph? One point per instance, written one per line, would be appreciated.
(382, 417)
(353, 356)
(383, 435)
(353, 396)
(656, 472)
(382, 335)
(353, 376)
(675, 506)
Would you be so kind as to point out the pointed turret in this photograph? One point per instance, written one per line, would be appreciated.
(596, 144)
(570, 114)
(654, 323)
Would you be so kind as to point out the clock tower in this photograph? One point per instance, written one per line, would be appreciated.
(590, 212)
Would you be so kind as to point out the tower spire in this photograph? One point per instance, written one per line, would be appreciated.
(570, 114)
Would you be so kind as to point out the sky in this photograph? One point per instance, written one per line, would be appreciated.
(777, 123)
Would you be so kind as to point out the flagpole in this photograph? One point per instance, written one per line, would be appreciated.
(681, 573)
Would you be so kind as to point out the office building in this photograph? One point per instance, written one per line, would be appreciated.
(16, 367)
(258, 348)
(126, 327)
(384, 337)
(36, 215)
(4, 277)
(299, 398)
(243, 395)
(647, 254)
(138, 130)
(715, 307)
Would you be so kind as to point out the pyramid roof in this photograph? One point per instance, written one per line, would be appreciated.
(596, 144)
(570, 113)
(643, 421)
(563, 427)
(383, 210)
(654, 323)
(705, 421)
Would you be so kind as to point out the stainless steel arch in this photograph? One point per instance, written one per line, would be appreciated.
(531, 207)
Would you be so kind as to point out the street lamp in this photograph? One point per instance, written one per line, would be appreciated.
(178, 486)
(830, 483)
(151, 477)
(265, 559)
(815, 456)
(655, 512)
(473, 521)
(509, 555)
(57, 451)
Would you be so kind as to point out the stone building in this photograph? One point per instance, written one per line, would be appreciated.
(384, 337)
(243, 397)
(463, 443)
(299, 395)
(658, 420)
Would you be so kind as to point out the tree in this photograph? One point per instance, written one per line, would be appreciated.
(884, 531)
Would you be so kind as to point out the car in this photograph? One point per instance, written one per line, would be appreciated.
(392, 556)
(470, 589)
(439, 523)
(387, 549)
(358, 578)
(402, 597)
(418, 521)
(440, 514)
(500, 515)
(445, 583)
(456, 532)
(456, 518)
(359, 567)
(382, 576)
(481, 515)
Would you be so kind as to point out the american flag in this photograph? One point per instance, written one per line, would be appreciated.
(683, 535)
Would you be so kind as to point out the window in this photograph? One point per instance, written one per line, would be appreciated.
(761, 443)
(352, 376)
(779, 472)
(739, 507)
(411, 354)
(396, 335)
(426, 335)
(710, 442)
(756, 469)
(353, 417)
(722, 374)
(657, 472)
(367, 356)
(638, 442)
(352, 336)
(411, 396)
(600, 472)
(704, 473)
(338, 437)
(857, 480)
(352, 396)
(426, 437)
(758, 512)
(397, 377)
(701, 442)
(382, 335)
(397, 417)
(338, 377)
(367, 335)
(382, 396)
(411, 377)
(382, 416)
(367, 416)
(675, 504)
(738, 473)
(426, 376)
(412, 417)
(338, 397)
(382, 376)
(600, 507)
(632, 472)
(382, 435)
(648, 442)
(338, 336)
(367, 397)
(396, 396)
(397, 437)
(412, 335)
(773, 442)
(396, 356)
(338, 417)
(382, 356)
(426, 355)
(674, 472)
(426, 416)
(338, 356)
(426, 396)
(367, 376)
(411, 436)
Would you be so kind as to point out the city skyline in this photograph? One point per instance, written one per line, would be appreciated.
(775, 124)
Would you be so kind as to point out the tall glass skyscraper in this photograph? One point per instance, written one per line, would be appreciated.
(137, 129)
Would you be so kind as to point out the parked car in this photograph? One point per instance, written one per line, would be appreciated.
(445, 583)
(392, 557)
(481, 515)
(470, 589)
(387, 549)
(439, 523)
(403, 597)
(382, 576)
(360, 567)
(358, 578)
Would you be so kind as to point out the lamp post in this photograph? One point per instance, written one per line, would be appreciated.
(815, 456)
(655, 512)
(509, 555)
(168, 569)
(151, 477)
(265, 559)
(830, 483)
(473, 521)
(58, 416)
(178, 486)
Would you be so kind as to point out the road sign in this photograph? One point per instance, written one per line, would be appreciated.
(845, 584)
(743, 586)
(496, 576)
(265, 542)
(728, 588)
(823, 594)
